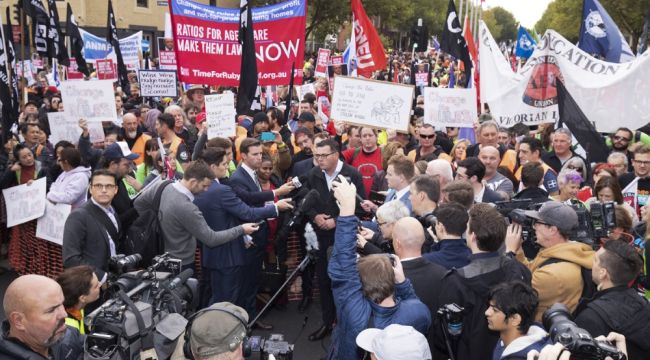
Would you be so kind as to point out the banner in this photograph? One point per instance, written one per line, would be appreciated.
(90, 100)
(321, 62)
(449, 107)
(220, 115)
(97, 48)
(106, 70)
(208, 51)
(25, 202)
(50, 226)
(610, 94)
(157, 83)
(373, 103)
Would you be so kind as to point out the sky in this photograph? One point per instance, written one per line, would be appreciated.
(527, 12)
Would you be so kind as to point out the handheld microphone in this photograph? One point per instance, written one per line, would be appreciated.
(308, 201)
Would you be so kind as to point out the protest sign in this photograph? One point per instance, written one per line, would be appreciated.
(306, 89)
(321, 63)
(158, 83)
(220, 115)
(90, 100)
(50, 226)
(63, 128)
(73, 72)
(373, 103)
(97, 48)
(25, 202)
(450, 107)
(167, 60)
(208, 50)
(609, 94)
(106, 70)
(336, 60)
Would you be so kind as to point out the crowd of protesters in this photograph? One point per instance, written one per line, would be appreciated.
(405, 222)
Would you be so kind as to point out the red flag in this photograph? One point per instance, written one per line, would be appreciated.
(370, 51)
(469, 38)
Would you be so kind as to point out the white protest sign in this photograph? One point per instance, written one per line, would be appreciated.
(63, 128)
(220, 114)
(25, 202)
(306, 89)
(90, 100)
(50, 225)
(158, 83)
(373, 103)
(450, 107)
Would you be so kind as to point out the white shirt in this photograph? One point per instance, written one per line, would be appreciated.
(111, 215)
(252, 174)
(400, 193)
(328, 178)
(183, 190)
(478, 198)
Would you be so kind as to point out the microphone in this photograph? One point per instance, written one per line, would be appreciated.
(180, 279)
(308, 201)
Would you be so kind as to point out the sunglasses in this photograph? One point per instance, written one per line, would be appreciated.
(428, 136)
(620, 138)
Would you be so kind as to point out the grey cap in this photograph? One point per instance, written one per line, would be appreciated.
(218, 329)
(557, 214)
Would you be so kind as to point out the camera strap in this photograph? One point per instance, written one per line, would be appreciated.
(145, 335)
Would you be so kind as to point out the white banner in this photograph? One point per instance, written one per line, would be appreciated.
(220, 115)
(50, 225)
(610, 95)
(25, 202)
(374, 103)
(450, 107)
(90, 100)
(157, 83)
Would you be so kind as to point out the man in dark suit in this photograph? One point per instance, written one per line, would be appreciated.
(223, 210)
(92, 231)
(323, 217)
(246, 185)
(473, 170)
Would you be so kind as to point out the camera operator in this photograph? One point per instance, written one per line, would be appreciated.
(80, 287)
(35, 327)
(450, 250)
(214, 333)
(381, 241)
(555, 281)
(559, 352)
(511, 312)
(469, 286)
(372, 292)
(616, 307)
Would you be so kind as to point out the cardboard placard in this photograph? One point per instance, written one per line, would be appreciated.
(321, 62)
(158, 83)
(220, 115)
(90, 100)
(50, 226)
(450, 107)
(25, 202)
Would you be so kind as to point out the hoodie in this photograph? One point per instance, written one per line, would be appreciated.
(535, 339)
(70, 187)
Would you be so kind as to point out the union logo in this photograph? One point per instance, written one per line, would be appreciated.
(541, 90)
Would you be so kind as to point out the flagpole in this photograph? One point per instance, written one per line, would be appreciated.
(480, 13)
(471, 15)
(460, 9)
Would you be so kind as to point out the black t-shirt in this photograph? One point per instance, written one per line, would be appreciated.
(182, 155)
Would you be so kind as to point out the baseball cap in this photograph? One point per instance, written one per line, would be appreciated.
(217, 329)
(306, 116)
(118, 150)
(395, 342)
(557, 214)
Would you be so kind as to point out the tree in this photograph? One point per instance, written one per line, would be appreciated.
(502, 24)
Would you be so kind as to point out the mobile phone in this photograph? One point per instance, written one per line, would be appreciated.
(267, 136)
(259, 223)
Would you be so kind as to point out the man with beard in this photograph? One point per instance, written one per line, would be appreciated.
(620, 141)
(133, 136)
(35, 326)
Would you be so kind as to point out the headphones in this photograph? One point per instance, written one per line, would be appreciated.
(187, 348)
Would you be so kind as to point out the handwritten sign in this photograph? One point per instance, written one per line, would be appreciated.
(90, 100)
(64, 128)
(373, 103)
(321, 63)
(50, 225)
(158, 83)
(25, 202)
(306, 89)
(220, 114)
(450, 107)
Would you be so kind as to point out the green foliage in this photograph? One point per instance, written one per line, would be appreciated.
(502, 24)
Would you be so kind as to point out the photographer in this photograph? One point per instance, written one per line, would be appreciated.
(371, 293)
(616, 307)
(450, 251)
(469, 286)
(558, 352)
(80, 287)
(555, 280)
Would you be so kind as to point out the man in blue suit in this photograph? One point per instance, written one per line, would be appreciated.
(246, 185)
(222, 209)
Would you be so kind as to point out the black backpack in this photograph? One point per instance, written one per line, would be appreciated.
(588, 286)
(144, 237)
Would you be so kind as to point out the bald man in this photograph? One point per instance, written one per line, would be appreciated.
(35, 326)
(491, 158)
(134, 137)
(441, 170)
(408, 238)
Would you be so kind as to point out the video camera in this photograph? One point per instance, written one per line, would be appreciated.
(146, 307)
(557, 321)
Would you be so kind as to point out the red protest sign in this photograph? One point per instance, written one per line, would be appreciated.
(336, 60)
(167, 60)
(106, 70)
(321, 62)
(73, 73)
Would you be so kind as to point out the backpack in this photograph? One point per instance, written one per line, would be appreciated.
(588, 286)
(144, 237)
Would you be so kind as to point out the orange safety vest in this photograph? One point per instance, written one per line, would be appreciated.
(138, 148)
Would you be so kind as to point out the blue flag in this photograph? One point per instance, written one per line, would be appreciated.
(525, 44)
(600, 36)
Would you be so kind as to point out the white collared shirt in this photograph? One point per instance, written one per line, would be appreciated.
(400, 193)
(478, 198)
(183, 190)
(252, 174)
(111, 215)
(328, 178)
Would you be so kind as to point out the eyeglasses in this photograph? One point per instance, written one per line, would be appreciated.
(104, 186)
(542, 223)
(620, 138)
(427, 136)
(323, 156)
(640, 162)
(576, 168)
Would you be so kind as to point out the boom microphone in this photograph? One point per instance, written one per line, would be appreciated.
(307, 202)
(180, 279)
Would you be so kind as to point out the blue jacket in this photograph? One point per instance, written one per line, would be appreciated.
(451, 254)
(535, 339)
(353, 310)
(249, 192)
(222, 210)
